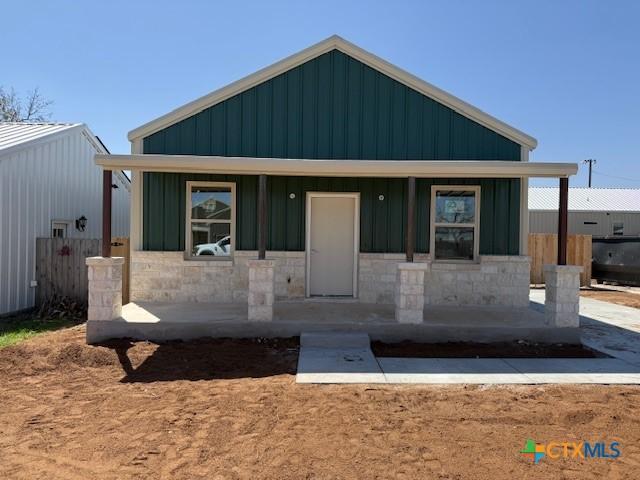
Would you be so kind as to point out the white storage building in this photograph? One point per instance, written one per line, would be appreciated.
(592, 211)
(48, 180)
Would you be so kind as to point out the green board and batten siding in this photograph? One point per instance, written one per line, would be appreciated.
(382, 222)
(331, 107)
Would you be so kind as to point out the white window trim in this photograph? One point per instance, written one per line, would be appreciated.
(188, 220)
(475, 225)
(66, 223)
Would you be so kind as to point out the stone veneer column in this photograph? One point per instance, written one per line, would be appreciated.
(105, 287)
(562, 295)
(261, 289)
(410, 292)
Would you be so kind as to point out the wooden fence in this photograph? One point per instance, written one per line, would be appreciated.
(61, 268)
(543, 250)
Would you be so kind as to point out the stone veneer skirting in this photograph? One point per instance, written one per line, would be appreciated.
(167, 276)
(377, 276)
(496, 280)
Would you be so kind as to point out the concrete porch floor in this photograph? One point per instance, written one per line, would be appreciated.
(167, 321)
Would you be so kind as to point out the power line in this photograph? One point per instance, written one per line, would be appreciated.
(614, 176)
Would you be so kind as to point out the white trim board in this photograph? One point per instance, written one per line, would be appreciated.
(334, 43)
(337, 168)
(524, 207)
(135, 218)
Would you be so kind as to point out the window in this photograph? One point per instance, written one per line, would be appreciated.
(618, 228)
(455, 212)
(210, 219)
(58, 229)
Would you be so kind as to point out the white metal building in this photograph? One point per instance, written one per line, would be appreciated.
(48, 180)
(592, 211)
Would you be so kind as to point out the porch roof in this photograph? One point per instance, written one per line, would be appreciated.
(335, 168)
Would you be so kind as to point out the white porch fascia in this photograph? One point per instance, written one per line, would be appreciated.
(336, 168)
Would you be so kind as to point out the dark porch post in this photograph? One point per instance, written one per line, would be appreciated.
(106, 213)
(562, 221)
(262, 216)
(411, 218)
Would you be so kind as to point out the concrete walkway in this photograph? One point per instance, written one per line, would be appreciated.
(508, 371)
(337, 358)
(606, 327)
(609, 328)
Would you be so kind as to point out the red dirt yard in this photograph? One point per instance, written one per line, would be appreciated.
(627, 299)
(231, 409)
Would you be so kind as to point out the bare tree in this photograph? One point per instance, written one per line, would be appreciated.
(32, 108)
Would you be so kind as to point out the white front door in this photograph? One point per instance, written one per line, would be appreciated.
(332, 243)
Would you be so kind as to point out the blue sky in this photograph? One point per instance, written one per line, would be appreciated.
(565, 72)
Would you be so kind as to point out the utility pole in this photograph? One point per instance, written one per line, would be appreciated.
(591, 162)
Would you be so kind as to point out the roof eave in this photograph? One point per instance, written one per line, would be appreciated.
(336, 168)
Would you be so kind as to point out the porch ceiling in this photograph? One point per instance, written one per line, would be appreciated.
(335, 168)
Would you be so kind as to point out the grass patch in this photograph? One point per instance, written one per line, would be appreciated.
(17, 329)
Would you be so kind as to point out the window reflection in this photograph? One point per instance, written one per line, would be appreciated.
(455, 207)
(454, 243)
(211, 203)
(211, 239)
(210, 222)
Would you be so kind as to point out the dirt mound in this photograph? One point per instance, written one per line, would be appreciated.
(24, 359)
(55, 351)
(76, 355)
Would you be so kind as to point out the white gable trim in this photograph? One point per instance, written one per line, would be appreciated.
(331, 43)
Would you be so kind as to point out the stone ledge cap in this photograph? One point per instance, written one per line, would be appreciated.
(413, 266)
(563, 268)
(257, 263)
(505, 258)
(104, 261)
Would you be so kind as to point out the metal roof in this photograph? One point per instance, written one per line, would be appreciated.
(587, 199)
(13, 133)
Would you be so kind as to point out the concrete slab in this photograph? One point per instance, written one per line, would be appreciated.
(576, 370)
(612, 329)
(159, 321)
(450, 371)
(340, 365)
(509, 371)
(606, 327)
